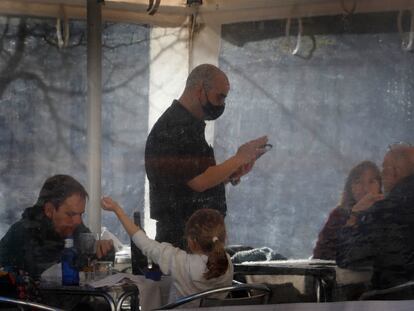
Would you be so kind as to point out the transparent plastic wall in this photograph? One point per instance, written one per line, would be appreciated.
(342, 97)
(43, 109)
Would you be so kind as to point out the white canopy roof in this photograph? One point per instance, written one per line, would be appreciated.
(172, 13)
(175, 12)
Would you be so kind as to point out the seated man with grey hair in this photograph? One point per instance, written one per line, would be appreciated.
(383, 236)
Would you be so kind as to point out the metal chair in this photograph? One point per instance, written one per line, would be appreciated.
(252, 294)
(22, 304)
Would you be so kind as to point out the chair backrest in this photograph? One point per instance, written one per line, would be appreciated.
(26, 304)
(252, 294)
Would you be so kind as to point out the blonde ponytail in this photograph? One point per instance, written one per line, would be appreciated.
(206, 227)
(217, 263)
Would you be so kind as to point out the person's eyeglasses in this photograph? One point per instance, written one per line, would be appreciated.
(398, 144)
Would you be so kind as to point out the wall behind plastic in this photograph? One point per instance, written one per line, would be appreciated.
(43, 112)
(346, 96)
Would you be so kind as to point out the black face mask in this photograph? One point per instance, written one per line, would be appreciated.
(212, 112)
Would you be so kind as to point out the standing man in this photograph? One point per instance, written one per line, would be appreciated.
(36, 241)
(382, 236)
(180, 165)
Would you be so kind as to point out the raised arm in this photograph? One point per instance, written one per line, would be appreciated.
(163, 254)
(110, 205)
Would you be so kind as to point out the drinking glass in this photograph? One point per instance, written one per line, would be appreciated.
(87, 249)
(102, 269)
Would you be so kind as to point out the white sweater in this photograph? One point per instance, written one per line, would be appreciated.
(185, 269)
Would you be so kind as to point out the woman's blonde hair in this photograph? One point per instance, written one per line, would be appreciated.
(206, 227)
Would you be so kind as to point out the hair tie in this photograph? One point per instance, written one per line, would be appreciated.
(215, 239)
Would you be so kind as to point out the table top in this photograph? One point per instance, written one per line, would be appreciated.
(343, 284)
(288, 267)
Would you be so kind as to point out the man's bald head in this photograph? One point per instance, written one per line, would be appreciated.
(398, 163)
(205, 92)
(204, 75)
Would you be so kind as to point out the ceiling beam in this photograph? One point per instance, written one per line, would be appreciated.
(56, 9)
(173, 13)
(235, 11)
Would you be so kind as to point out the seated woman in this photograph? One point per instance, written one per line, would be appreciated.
(362, 189)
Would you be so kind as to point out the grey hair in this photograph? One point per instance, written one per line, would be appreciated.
(205, 74)
(404, 156)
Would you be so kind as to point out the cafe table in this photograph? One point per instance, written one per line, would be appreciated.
(114, 296)
(306, 280)
(295, 280)
(119, 291)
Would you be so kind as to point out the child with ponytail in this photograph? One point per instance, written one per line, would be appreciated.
(204, 267)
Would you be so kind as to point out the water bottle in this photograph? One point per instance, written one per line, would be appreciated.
(140, 263)
(70, 273)
(153, 271)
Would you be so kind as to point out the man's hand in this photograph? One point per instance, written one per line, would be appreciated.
(367, 201)
(243, 170)
(103, 247)
(251, 150)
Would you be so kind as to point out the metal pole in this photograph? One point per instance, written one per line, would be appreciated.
(94, 67)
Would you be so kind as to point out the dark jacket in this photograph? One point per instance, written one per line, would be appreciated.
(327, 243)
(383, 238)
(32, 244)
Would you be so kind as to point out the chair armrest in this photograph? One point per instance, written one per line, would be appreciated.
(33, 305)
